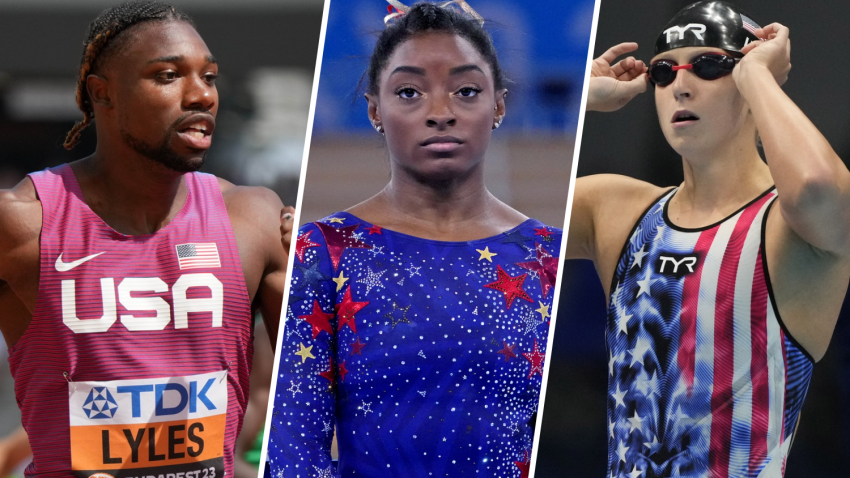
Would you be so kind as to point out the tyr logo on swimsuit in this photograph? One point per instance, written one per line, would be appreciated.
(676, 264)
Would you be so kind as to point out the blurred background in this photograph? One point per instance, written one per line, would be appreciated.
(543, 50)
(266, 51)
(573, 440)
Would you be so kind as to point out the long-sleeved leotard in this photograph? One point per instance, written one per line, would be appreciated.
(426, 357)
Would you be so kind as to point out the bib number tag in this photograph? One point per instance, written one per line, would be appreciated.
(169, 427)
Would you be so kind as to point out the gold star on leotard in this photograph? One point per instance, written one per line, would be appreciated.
(337, 220)
(486, 254)
(340, 281)
(544, 311)
(305, 353)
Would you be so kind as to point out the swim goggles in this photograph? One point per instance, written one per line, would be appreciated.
(708, 66)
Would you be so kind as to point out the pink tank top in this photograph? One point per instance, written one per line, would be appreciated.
(137, 360)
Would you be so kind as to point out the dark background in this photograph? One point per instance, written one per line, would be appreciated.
(573, 439)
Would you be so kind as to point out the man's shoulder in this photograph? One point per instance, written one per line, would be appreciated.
(249, 200)
(20, 209)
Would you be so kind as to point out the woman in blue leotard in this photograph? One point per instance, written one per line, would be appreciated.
(418, 319)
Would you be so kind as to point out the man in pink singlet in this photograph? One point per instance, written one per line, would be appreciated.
(127, 279)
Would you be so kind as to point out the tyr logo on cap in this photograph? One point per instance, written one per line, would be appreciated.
(697, 28)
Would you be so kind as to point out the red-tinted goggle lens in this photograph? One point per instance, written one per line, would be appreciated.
(707, 67)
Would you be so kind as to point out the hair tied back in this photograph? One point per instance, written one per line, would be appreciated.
(401, 9)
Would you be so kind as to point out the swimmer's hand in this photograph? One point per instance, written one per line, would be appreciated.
(773, 53)
(612, 86)
(286, 222)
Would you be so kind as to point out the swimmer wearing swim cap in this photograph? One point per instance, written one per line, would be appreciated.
(724, 290)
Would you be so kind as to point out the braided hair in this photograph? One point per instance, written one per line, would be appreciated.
(101, 42)
(430, 17)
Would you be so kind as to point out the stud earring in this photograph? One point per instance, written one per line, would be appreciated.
(378, 128)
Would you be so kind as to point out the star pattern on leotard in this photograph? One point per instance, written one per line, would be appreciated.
(338, 239)
(463, 333)
(302, 244)
(510, 286)
(346, 309)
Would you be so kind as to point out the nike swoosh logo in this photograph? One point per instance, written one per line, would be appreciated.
(66, 266)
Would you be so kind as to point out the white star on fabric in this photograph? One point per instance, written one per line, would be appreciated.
(613, 360)
(635, 422)
(377, 250)
(645, 283)
(653, 445)
(616, 293)
(639, 257)
(531, 323)
(659, 232)
(621, 451)
(372, 279)
(623, 321)
(611, 426)
(618, 397)
(647, 386)
(414, 270)
(294, 387)
(320, 473)
(366, 407)
(327, 426)
(636, 234)
(641, 347)
(635, 473)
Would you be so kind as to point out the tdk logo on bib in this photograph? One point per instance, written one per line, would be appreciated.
(696, 28)
(100, 404)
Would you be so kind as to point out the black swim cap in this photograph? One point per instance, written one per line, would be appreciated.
(708, 23)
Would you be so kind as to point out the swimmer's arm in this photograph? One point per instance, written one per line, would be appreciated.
(812, 181)
(580, 234)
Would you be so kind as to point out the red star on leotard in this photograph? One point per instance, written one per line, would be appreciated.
(303, 243)
(375, 230)
(346, 309)
(546, 267)
(342, 371)
(510, 286)
(536, 359)
(542, 231)
(508, 351)
(340, 239)
(318, 320)
(356, 347)
(329, 373)
(524, 466)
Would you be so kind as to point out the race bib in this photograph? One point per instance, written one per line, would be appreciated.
(169, 427)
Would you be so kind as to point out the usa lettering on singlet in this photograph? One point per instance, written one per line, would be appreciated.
(137, 360)
(704, 379)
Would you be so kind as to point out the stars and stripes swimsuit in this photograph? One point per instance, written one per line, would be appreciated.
(704, 379)
(426, 357)
(137, 359)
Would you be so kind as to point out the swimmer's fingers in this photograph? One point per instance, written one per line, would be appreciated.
(609, 94)
(628, 69)
(618, 50)
(774, 52)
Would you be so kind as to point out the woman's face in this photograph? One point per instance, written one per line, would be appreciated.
(437, 105)
(700, 116)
